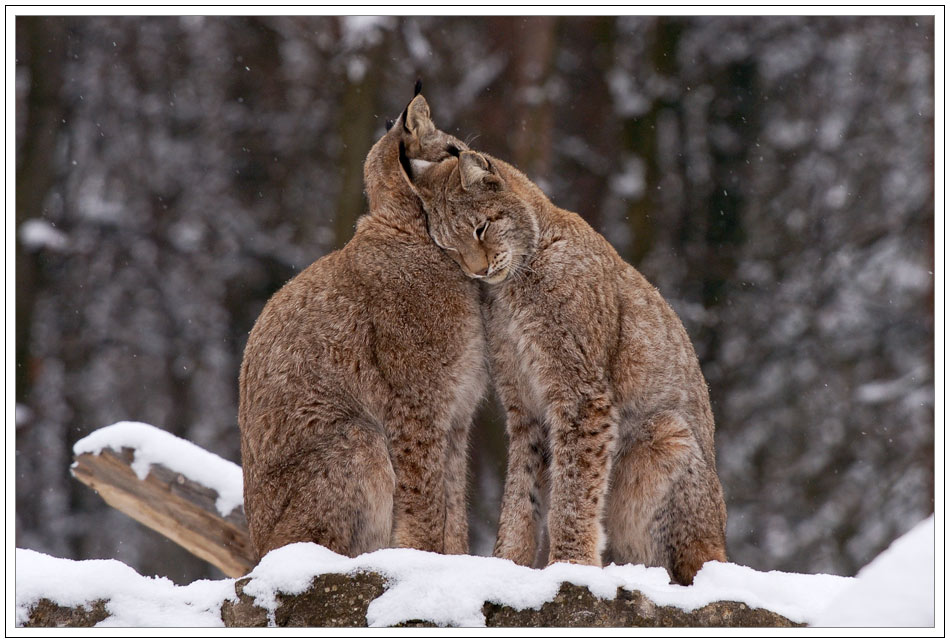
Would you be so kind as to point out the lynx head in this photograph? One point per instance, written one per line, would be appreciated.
(387, 171)
(473, 215)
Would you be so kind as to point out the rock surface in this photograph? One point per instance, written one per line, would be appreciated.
(576, 607)
(337, 600)
(46, 613)
(333, 600)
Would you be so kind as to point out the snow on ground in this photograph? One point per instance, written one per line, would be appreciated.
(155, 446)
(894, 590)
(133, 600)
(446, 590)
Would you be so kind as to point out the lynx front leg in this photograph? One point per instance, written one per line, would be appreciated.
(582, 435)
(522, 502)
(418, 450)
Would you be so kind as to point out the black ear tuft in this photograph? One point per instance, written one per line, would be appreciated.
(389, 124)
(418, 89)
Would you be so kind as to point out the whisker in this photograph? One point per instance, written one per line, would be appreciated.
(521, 271)
(523, 265)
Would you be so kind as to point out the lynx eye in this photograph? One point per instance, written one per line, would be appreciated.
(480, 231)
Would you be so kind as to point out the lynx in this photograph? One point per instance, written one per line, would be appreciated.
(608, 416)
(361, 376)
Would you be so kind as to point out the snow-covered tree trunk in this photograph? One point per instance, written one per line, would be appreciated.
(172, 505)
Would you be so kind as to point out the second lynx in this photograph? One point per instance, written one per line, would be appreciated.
(611, 455)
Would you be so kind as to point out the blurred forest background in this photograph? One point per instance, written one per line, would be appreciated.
(773, 176)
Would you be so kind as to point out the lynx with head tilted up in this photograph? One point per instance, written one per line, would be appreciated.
(361, 376)
(611, 455)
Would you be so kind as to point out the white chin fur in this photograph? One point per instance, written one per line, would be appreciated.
(499, 276)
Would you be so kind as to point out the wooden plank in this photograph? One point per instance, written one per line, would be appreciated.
(172, 505)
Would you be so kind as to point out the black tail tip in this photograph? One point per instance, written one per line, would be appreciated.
(418, 89)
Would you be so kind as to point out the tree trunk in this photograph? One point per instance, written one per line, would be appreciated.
(45, 49)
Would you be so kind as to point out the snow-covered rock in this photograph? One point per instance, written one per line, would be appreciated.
(452, 590)
(394, 586)
(128, 599)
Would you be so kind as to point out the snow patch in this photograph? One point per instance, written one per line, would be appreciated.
(154, 446)
(419, 48)
(133, 600)
(631, 182)
(23, 414)
(895, 590)
(629, 100)
(365, 31)
(36, 234)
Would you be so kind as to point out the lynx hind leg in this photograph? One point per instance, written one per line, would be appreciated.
(657, 506)
(338, 494)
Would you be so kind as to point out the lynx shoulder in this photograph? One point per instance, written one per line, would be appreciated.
(361, 376)
(611, 455)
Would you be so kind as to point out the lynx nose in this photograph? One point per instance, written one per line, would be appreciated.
(480, 270)
(476, 265)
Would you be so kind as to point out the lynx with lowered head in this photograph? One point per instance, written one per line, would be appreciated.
(611, 455)
(361, 376)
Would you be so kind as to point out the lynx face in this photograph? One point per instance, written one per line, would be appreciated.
(485, 227)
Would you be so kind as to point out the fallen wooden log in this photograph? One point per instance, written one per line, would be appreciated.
(172, 504)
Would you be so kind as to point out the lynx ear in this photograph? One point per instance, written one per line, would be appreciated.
(476, 170)
(417, 119)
